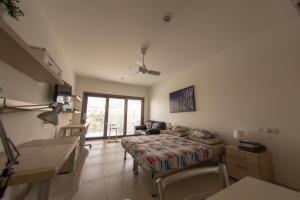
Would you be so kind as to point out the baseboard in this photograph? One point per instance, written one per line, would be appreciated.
(289, 187)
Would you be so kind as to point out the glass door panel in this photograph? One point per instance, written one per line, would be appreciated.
(134, 115)
(95, 116)
(116, 113)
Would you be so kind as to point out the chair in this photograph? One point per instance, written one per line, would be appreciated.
(84, 144)
(221, 170)
(110, 138)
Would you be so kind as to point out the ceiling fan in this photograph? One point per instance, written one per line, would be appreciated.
(142, 69)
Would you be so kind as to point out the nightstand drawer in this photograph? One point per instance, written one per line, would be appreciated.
(248, 158)
(239, 170)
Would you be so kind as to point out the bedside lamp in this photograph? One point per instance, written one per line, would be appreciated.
(239, 135)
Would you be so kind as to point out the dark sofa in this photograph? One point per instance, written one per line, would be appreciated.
(151, 127)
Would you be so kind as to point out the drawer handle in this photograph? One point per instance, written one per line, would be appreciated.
(241, 167)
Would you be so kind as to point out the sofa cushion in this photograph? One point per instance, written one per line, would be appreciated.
(158, 125)
(149, 124)
(152, 131)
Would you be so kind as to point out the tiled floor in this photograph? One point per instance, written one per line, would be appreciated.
(105, 175)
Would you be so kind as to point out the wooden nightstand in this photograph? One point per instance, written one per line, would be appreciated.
(242, 163)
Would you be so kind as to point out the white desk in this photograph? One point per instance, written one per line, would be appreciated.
(253, 189)
(41, 160)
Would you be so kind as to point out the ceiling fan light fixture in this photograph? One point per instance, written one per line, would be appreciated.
(142, 70)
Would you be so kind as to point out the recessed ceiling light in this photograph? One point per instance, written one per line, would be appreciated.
(168, 17)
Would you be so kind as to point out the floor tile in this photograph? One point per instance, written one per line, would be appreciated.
(128, 184)
(91, 172)
(118, 167)
(105, 175)
(92, 190)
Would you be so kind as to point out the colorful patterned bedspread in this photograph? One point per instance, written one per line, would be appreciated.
(163, 152)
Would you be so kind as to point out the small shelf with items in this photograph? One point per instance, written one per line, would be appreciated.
(15, 52)
(73, 112)
(70, 103)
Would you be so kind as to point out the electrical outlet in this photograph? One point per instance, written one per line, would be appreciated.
(268, 130)
(46, 126)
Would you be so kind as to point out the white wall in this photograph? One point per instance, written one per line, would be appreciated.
(22, 127)
(35, 29)
(107, 87)
(250, 85)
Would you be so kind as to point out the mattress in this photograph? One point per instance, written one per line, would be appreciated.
(160, 153)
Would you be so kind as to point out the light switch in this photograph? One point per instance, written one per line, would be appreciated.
(268, 130)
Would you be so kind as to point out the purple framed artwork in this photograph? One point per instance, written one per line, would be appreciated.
(182, 100)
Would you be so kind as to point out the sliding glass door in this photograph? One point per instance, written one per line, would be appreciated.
(95, 116)
(109, 115)
(116, 113)
(134, 115)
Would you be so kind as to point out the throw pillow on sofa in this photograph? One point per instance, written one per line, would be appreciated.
(149, 124)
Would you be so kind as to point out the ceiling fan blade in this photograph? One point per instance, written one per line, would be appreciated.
(156, 73)
(133, 67)
(139, 64)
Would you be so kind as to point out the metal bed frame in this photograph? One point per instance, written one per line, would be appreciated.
(154, 177)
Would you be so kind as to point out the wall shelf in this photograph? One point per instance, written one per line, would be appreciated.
(73, 112)
(15, 52)
(9, 105)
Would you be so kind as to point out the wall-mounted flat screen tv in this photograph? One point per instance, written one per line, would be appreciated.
(64, 90)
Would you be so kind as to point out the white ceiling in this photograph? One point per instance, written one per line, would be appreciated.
(102, 38)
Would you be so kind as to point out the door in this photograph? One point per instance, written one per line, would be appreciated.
(116, 114)
(95, 116)
(134, 115)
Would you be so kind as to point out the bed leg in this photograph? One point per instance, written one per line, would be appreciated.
(153, 191)
(135, 167)
(221, 158)
(125, 154)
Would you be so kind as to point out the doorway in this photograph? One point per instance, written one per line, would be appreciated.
(111, 115)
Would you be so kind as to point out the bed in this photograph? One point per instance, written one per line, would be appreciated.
(158, 154)
(164, 153)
